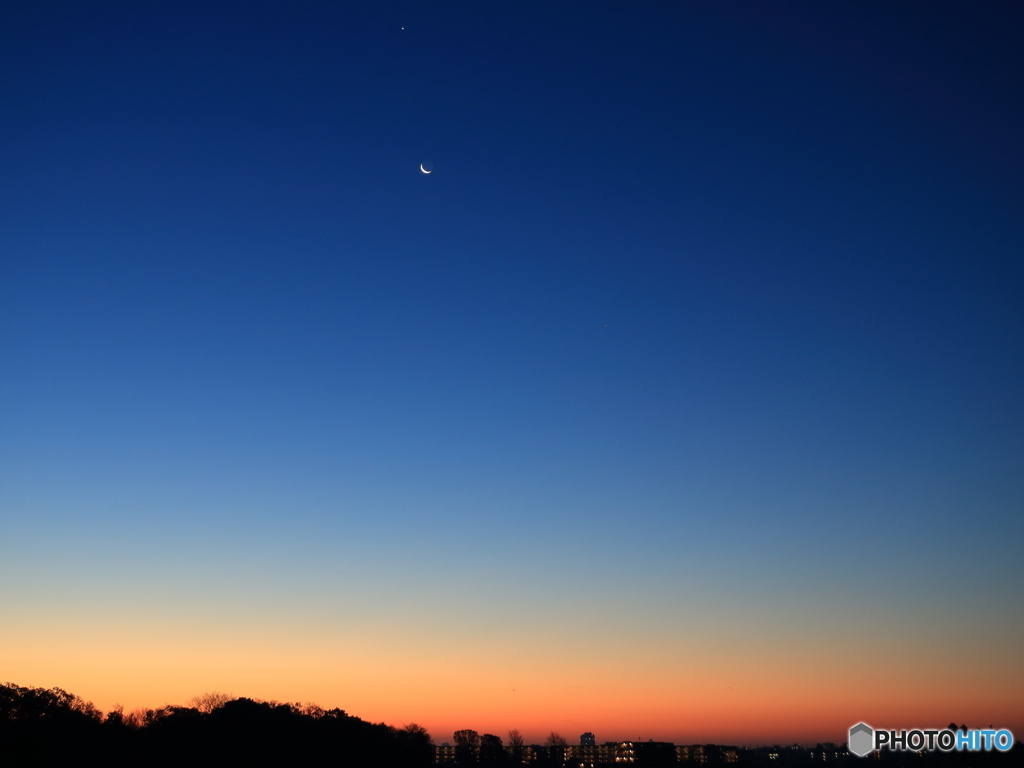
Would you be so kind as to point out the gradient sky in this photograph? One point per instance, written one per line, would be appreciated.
(682, 401)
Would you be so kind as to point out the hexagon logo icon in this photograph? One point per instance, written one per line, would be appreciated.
(862, 740)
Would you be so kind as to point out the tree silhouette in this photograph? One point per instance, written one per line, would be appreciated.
(467, 745)
(556, 749)
(516, 746)
(46, 726)
(207, 702)
(418, 744)
(51, 727)
(492, 752)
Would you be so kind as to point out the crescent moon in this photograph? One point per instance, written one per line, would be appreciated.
(424, 169)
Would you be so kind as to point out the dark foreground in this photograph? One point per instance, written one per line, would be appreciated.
(50, 727)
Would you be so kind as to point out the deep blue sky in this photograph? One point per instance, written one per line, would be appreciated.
(696, 291)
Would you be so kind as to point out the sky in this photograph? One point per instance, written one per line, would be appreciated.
(682, 400)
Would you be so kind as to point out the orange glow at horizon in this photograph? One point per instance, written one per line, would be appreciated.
(747, 692)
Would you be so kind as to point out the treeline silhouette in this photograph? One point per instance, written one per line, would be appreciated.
(43, 727)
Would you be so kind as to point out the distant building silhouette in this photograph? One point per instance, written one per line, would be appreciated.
(444, 753)
(609, 753)
(702, 754)
(588, 739)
